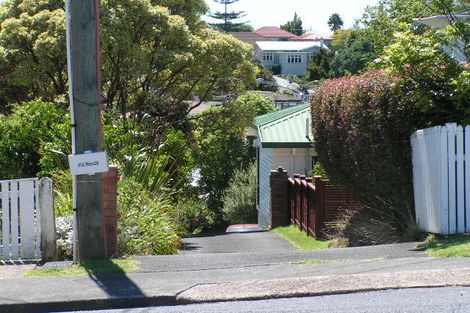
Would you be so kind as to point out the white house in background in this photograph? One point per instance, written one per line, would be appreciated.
(456, 51)
(282, 138)
(291, 56)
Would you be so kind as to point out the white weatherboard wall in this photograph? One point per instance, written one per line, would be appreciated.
(21, 218)
(441, 178)
(292, 160)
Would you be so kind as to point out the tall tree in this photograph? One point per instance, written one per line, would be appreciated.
(335, 22)
(144, 69)
(294, 26)
(228, 18)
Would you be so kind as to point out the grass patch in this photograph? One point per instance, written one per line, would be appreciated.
(96, 267)
(448, 246)
(300, 239)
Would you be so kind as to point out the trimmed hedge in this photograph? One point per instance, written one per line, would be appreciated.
(362, 125)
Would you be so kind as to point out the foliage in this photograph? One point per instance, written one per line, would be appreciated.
(221, 144)
(319, 170)
(259, 103)
(193, 216)
(222, 148)
(294, 26)
(145, 226)
(169, 72)
(335, 22)
(24, 133)
(228, 17)
(175, 153)
(357, 52)
(319, 65)
(420, 59)
(362, 133)
(387, 17)
(276, 69)
(63, 192)
(144, 69)
(339, 38)
(300, 239)
(32, 53)
(124, 138)
(239, 198)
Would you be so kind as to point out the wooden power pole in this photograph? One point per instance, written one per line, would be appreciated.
(85, 95)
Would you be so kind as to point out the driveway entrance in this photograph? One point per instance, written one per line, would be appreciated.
(256, 242)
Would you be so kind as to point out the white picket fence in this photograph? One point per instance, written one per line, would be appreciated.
(441, 178)
(26, 219)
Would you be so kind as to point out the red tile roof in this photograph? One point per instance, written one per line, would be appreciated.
(312, 36)
(273, 31)
(250, 38)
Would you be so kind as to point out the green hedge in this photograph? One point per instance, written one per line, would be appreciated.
(362, 125)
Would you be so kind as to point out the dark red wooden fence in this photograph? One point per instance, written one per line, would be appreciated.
(315, 202)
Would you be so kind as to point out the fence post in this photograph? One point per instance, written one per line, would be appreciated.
(303, 199)
(109, 182)
(319, 206)
(48, 232)
(279, 198)
(309, 206)
(297, 199)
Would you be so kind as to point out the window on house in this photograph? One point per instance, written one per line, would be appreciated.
(294, 58)
(268, 56)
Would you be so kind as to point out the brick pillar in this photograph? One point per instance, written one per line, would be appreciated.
(279, 198)
(109, 182)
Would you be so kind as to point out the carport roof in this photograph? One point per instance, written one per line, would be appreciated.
(286, 128)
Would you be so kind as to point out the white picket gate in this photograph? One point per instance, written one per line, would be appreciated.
(26, 219)
(441, 178)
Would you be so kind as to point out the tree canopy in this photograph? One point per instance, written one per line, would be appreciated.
(144, 68)
(229, 17)
(335, 22)
(294, 26)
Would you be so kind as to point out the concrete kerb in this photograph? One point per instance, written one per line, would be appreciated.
(89, 304)
(258, 290)
(322, 285)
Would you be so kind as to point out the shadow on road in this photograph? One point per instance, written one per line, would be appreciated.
(112, 279)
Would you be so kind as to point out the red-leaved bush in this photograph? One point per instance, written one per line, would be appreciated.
(362, 125)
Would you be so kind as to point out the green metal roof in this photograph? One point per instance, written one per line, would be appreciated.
(286, 128)
(271, 117)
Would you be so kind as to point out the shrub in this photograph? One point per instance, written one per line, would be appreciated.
(63, 195)
(256, 102)
(319, 170)
(145, 225)
(24, 132)
(362, 126)
(193, 216)
(240, 197)
(276, 69)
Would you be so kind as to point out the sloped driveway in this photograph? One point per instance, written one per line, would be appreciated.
(256, 242)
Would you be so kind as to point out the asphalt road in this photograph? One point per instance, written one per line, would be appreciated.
(427, 300)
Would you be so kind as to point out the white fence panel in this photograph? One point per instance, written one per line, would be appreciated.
(467, 176)
(20, 223)
(441, 178)
(5, 209)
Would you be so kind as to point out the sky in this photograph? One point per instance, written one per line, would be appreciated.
(313, 13)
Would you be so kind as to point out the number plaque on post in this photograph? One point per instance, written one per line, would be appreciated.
(88, 163)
